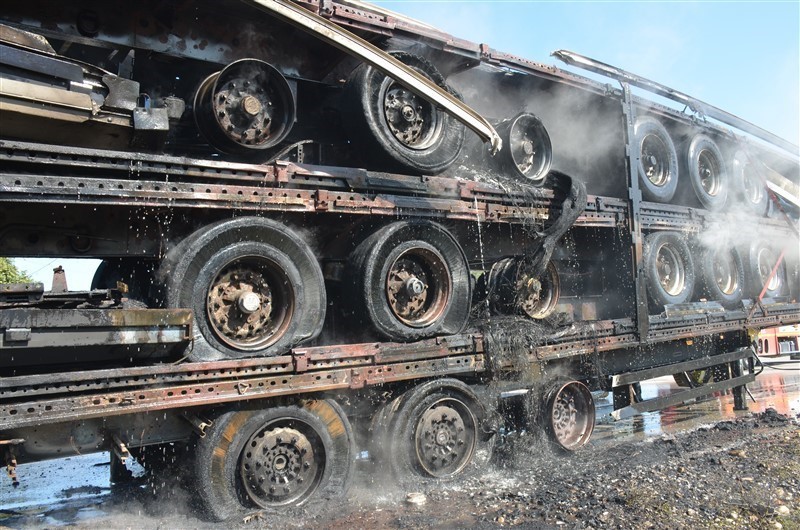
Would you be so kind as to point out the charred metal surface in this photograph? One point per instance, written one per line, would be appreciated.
(72, 408)
(72, 335)
(300, 360)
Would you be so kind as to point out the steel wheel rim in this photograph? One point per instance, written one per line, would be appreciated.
(725, 273)
(281, 464)
(410, 119)
(571, 415)
(250, 303)
(418, 287)
(708, 168)
(445, 438)
(766, 262)
(530, 147)
(671, 270)
(246, 106)
(655, 160)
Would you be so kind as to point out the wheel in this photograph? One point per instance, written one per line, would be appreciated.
(669, 269)
(411, 281)
(437, 430)
(294, 455)
(749, 185)
(761, 259)
(568, 415)
(513, 289)
(707, 172)
(254, 285)
(658, 160)
(135, 274)
(529, 152)
(247, 106)
(398, 128)
(722, 275)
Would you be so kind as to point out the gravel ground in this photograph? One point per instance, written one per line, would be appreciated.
(734, 474)
(743, 473)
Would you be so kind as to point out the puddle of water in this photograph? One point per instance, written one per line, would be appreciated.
(777, 389)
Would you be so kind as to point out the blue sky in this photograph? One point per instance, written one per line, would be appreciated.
(743, 57)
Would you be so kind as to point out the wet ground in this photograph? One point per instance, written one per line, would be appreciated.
(701, 464)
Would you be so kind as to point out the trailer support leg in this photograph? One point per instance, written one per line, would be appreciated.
(739, 398)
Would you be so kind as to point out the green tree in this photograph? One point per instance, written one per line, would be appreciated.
(9, 273)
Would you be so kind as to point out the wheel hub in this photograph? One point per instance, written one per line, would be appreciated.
(571, 415)
(278, 466)
(249, 302)
(529, 147)
(444, 441)
(670, 271)
(654, 157)
(725, 275)
(411, 119)
(708, 167)
(247, 105)
(244, 308)
(415, 287)
(418, 287)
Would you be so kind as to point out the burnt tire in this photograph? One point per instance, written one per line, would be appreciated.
(748, 184)
(217, 271)
(138, 275)
(274, 459)
(721, 275)
(658, 160)
(668, 268)
(438, 430)
(707, 172)
(398, 129)
(760, 260)
(411, 281)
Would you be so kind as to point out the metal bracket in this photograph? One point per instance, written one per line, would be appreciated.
(120, 449)
(357, 379)
(10, 458)
(300, 360)
(198, 424)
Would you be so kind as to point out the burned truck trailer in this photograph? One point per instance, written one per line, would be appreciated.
(327, 228)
